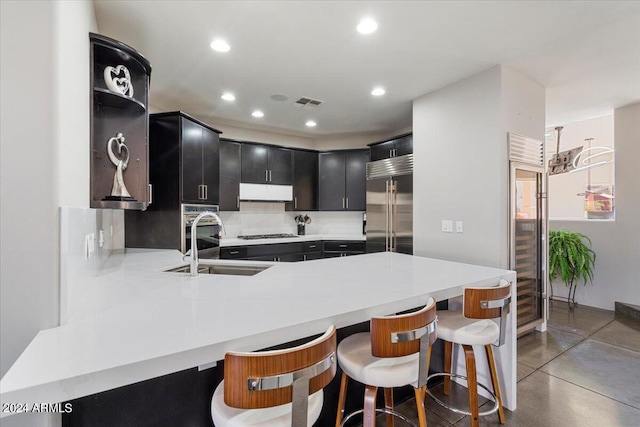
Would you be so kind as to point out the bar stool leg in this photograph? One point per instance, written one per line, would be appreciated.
(388, 403)
(341, 398)
(448, 350)
(370, 406)
(422, 416)
(494, 381)
(472, 384)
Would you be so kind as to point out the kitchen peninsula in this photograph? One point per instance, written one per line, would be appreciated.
(151, 322)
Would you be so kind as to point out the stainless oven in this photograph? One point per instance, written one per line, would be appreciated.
(208, 232)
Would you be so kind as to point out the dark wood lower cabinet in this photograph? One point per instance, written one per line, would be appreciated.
(294, 252)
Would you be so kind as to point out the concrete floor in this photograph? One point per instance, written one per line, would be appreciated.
(584, 371)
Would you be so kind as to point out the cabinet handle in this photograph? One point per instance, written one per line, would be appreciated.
(266, 175)
(343, 203)
(295, 203)
(269, 175)
(390, 153)
(234, 252)
(304, 257)
(343, 246)
(238, 202)
(206, 192)
(312, 246)
(347, 203)
(200, 192)
(150, 193)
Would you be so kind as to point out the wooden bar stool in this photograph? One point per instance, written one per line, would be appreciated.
(395, 353)
(470, 327)
(275, 388)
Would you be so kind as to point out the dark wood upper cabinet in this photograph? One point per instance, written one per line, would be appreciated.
(356, 180)
(192, 147)
(264, 164)
(255, 163)
(342, 180)
(381, 151)
(230, 174)
(305, 181)
(119, 82)
(280, 166)
(395, 147)
(211, 165)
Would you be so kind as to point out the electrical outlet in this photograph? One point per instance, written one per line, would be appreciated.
(447, 226)
(89, 245)
(458, 226)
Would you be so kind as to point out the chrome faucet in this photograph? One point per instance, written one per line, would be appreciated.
(193, 263)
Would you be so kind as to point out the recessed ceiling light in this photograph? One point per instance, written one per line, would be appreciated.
(311, 123)
(220, 46)
(227, 96)
(257, 114)
(378, 91)
(367, 26)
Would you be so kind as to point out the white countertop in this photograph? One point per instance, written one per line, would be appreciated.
(233, 241)
(160, 322)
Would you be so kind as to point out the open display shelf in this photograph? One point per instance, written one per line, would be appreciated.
(119, 105)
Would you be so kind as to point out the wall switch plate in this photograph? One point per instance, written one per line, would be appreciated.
(447, 226)
(458, 226)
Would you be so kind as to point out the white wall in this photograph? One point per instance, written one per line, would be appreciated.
(563, 189)
(461, 164)
(44, 157)
(616, 243)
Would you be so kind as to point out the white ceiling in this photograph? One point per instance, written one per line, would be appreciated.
(587, 54)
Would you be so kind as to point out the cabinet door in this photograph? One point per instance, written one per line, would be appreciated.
(312, 255)
(356, 180)
(305, 180)
(280, 166)
(254, 163)
(403, 145)
(332, 181)
(191, 143)
(229, 176)
(381, 151)
(211, 165)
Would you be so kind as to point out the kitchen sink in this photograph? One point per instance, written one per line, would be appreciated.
(233, 270)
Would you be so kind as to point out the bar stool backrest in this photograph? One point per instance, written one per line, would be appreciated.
(489, 303)
(270, 378)
(405, 334)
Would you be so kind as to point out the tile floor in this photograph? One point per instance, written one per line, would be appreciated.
(584, 371)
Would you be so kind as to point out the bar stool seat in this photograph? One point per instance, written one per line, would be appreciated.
(454, 327)
(356, 360)
(473, 327)
(277, 416)
(275, 388)
(395, 353)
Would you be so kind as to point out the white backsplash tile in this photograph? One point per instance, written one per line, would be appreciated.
(75, 265)
(270, 218)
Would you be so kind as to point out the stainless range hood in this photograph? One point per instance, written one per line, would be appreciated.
(266, 193)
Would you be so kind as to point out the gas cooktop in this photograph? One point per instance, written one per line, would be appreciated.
(266, 236)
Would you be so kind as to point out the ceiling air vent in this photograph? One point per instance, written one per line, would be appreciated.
(307, 103)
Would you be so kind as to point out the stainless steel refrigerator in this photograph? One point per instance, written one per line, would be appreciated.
(528, 229)
(390, 205)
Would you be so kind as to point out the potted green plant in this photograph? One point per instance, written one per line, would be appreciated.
(571, 260)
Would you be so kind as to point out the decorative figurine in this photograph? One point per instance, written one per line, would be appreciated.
(121, 85)
(119, 191)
